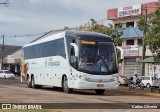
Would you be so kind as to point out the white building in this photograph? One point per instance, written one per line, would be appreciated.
(132, 37)
(11, 57)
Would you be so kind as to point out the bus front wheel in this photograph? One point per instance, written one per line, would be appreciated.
(100, 91)
(65, 87)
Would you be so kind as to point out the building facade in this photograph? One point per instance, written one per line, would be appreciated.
(132, 36)
(11, 58)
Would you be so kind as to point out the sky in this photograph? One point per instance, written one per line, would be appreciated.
(35, 17)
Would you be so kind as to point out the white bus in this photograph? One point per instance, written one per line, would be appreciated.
(72, 60)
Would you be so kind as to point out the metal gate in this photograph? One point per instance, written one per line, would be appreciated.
(131, 66)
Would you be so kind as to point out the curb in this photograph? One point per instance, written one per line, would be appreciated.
(127, 92)
(17, 77)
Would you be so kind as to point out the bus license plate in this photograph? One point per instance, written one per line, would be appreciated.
(100, 85)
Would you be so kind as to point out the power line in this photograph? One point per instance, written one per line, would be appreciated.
(28, 35)
(68, 28)
(5, 3)
(25, 35)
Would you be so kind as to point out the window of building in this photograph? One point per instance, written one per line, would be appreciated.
(119, 25)
(140, 42)
(130, 42)
(130, 24)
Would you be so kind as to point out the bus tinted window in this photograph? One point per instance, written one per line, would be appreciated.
(51, 48)
(69, 40)
(38, 50)
(60, 45)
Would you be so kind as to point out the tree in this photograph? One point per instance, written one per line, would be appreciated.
(115, 33)
(152, 27)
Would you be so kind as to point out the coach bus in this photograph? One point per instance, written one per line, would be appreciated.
(72, 60)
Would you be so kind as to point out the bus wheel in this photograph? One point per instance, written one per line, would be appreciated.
(33, 82)
(28, 82)
(100, 91)
(65, 87)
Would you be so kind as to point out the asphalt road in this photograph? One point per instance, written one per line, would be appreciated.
(16, 92)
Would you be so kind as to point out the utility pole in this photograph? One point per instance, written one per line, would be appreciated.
(144, 46)
(2, 48)
(2, 52)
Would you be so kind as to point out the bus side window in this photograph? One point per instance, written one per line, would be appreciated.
(73, 58)
(72, 51)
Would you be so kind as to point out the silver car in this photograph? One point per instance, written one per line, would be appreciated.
(148, 81)
(123, 80)
(6, 74)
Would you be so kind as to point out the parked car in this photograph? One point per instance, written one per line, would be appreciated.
(12, 71)
(123, 80)
(148, 81)
(15, 73)
(18, 73)
(6, 74)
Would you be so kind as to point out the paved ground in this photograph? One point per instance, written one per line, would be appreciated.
(16, 92)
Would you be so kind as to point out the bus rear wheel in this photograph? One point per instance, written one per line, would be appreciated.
(100, 91)
(33, 85)
(28, 82)
(33, 82)
(65, 87)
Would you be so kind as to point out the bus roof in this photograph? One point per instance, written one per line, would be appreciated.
(47, 38)
(87, 35)
(76, 34)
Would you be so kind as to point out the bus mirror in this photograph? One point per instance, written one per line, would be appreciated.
(75, 49)
(74, 61)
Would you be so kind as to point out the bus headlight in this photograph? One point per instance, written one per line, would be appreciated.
(81, 77)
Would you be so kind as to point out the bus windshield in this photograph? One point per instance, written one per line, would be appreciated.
(97, 57)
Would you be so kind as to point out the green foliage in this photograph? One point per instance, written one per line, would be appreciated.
(141, 23)
(108, 30)
(152, 27)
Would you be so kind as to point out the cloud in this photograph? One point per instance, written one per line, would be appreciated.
(35, 16)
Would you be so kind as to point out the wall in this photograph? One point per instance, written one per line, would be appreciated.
(126, 19)
(148, 52)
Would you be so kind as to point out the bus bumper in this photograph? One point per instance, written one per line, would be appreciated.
(95, 85)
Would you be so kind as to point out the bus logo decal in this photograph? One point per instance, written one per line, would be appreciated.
(54, 63)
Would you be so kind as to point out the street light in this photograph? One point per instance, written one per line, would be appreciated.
(2, 52)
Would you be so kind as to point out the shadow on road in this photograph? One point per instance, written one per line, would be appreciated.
(77, 92)
(17, 83)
